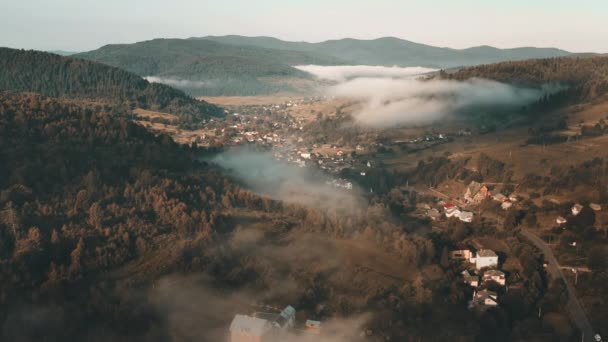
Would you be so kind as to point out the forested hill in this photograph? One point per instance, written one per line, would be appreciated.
(84, 191)
(58, 76)
(586, 76)
(210, 67)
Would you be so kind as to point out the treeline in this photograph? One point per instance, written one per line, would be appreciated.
(57, 76)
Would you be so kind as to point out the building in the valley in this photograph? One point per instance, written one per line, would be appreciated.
(262, 327)
(470, 279)
(595, 206)
(484, 298)
(560, 220)
(495, 276)
(250, 329)
(476, 192)
(452, 212)
(465, 216)
(485, 258)
(576, 209)
(313, 327)
(506, 205)
(500, 197)
(433, 214)
(461, 252)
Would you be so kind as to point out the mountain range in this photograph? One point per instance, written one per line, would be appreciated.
(391, 51)
(238, 65)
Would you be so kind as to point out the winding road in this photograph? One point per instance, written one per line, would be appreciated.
(577, 314)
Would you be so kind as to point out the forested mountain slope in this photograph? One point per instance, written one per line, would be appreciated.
(57, 76)
(213, 68)
(587, 76)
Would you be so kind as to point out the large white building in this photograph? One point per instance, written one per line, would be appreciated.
(485, 258)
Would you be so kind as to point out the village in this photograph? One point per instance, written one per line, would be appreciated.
(488, 272)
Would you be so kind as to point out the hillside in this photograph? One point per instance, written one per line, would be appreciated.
(391, 51)
(587, 76)
(57, 76)
(213, 68)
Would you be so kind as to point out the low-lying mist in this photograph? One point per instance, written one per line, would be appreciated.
(342, 73)
(178, 82)
(264, 174)
(398, 96)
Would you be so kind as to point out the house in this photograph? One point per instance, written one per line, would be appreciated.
(576, 209)
(470, 279)
(485, 258)
(484, 298)
(451, 212)
(506, 205)
(305, 155)
(313, 327)
(462, 252)
(447, 205)
(595, 206)
(561, 220)
(433, 214)
(287, 318)
(500, 197)
(476, 192)
(465, 216)
(495, 276)
(250, 329)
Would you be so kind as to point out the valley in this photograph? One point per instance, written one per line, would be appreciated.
(250, 188)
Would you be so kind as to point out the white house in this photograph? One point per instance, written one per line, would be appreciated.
(576, 209)
(560, 220)
(495, 276)
(305, 155)
(465, 216)
(451, 212)
(249, 329)
(595, 206)
(506, 205)
(485, 258)
(500, 197)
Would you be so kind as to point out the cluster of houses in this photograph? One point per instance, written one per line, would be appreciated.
(481, 271)
(477, 193)
(451, 210)
(474, 194)
(269, 327)
(575, 210)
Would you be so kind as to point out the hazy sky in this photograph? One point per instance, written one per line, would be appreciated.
(575, 25)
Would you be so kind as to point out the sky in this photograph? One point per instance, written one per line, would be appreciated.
(80, 25)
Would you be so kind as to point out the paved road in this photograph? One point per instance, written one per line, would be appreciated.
(577, 314)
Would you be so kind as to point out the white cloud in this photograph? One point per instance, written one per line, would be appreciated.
(396, 96)
(178, 82)
(342, 73)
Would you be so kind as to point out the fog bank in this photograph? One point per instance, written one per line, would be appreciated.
(400, 96)
(178, 82)
(342, 73)
(286, 182)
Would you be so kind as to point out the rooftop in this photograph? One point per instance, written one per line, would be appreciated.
(249, 325)
(486, 253)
